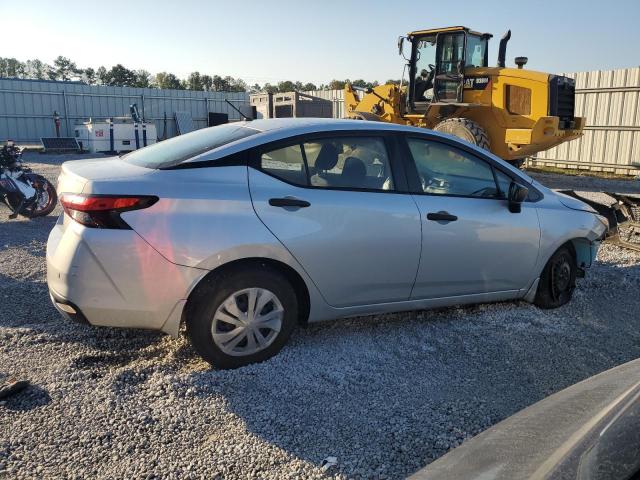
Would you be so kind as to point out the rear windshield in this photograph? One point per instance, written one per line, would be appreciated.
(183, 147)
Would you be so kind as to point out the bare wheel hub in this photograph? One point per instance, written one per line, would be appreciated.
(560, 277)
(248, 321)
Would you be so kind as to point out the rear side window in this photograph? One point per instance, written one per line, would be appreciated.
(341, 162)
(285, 163)
(174, 151)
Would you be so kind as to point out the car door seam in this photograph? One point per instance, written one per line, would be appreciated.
(415, 278)
(253, 207)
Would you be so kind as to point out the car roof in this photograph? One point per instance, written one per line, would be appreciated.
(290, 125)
(274, 129)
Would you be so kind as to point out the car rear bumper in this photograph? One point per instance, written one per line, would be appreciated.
(114, 278)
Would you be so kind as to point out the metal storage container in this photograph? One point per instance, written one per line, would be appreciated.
(115, 135)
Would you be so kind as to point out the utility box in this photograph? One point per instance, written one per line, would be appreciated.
(118, 134)
(291, 104)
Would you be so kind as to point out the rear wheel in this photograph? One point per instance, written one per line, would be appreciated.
(47, 197)
(465, 129)
(242, 317)
(46, 200)
(558, 280)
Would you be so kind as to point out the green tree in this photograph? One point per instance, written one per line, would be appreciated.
(309, 86)
(37, 70)
(268, 88)
(393, 82)
(220, 84)
(237, 85)
(194, 81)
(167, 80)
(142, 79)
(89, 76)
(101, 75)
(286, 86)
(120, 76)
(64, 68)
(12, 68)
(337, 84)
(207, 82)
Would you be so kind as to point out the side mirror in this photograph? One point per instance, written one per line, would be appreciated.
(517, 195)
(401, 46)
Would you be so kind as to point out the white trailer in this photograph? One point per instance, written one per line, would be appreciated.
(115, 135)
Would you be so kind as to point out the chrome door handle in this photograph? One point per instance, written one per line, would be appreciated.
(288, 202)
(441, 216)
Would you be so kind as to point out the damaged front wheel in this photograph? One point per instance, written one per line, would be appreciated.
(558, 280)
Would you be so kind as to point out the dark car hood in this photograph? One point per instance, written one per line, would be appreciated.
(592, 426)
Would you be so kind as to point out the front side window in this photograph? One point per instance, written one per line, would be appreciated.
(446, 170)
(341, 162)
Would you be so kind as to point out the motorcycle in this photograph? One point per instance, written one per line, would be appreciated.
(24, 192)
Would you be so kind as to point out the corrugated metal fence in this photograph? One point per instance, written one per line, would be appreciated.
(27, 106)
(610, 100)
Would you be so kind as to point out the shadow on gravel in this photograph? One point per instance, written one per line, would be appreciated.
(25, 233)
(31, 397)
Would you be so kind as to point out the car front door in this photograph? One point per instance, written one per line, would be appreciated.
(334, 203)
(471, 242)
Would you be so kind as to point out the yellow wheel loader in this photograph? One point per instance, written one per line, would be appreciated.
(512, 112)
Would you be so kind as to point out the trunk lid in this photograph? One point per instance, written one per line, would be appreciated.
(77, 175)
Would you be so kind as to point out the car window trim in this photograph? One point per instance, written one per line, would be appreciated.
(412, 170)
(399, 180)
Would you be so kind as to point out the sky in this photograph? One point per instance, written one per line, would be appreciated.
(293, 40)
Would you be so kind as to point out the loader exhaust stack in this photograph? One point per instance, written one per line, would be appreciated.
(502, 49)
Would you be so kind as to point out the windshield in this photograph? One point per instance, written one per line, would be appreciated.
(476, 51)
(178, 149)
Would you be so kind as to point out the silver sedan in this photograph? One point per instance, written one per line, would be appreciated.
(245, 230)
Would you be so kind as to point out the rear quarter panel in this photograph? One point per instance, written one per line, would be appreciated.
(204, 219)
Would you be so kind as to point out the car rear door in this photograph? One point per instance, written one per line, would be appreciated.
(471, 242)
(334, 202)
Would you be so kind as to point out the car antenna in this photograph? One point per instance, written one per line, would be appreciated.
(237, 110)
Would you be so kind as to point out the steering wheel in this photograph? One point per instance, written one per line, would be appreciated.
(426, 182)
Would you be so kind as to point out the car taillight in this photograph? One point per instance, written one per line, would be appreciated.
(103, 211)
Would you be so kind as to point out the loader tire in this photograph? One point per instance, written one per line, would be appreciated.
(466, 130)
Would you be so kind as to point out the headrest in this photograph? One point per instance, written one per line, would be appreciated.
(354, 168)
(328, 157)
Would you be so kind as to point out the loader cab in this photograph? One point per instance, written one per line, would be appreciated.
(438, 62)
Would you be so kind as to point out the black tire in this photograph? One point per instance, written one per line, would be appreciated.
(465, 129)
(558, 280)
(215, 290)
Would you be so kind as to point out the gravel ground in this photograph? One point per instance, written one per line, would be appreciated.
(385, 395)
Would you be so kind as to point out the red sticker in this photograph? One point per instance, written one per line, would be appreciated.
(99, 133)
